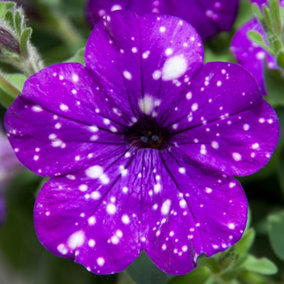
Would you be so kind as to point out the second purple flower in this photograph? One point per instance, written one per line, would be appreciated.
(208, 17)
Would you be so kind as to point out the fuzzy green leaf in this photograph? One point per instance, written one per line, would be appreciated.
(9, 18)
(276, 19)
(276, 233)
(257, 12)
(18, 21)
(24, 41)
(259, 265)
(2, 9)
(258, 39)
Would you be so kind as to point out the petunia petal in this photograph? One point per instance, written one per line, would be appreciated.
(225, 123)
(133, 56)
(208, 17)
(180, 228)
(55, 125)
(95, 217)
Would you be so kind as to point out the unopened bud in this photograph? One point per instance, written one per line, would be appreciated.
(8, 41)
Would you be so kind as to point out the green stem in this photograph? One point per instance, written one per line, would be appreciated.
(61, 25)
(9, 87)
(66, 30)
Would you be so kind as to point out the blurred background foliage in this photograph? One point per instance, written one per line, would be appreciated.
(59, 33)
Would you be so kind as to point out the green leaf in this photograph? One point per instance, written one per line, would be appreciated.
(280, 58)
(248, 277)
(274, 79)
(280, 167)
(5, 98)
(9, 18)
(8, 86)
(276, 233)
(10, 5)
(2, 9)
(17, 80)
(259, 265)
(267, 19)
(276, 19)
(24, 41)
(197, 276)
(272, 36)
(258, 39)
(18, 21)
(256, 10)
(78, 56)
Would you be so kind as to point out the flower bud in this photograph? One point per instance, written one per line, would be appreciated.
(8, 40)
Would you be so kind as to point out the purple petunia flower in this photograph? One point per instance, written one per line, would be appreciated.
(209, 17)
(141, 146)
(249, 54)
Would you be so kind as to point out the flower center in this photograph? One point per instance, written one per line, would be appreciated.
(147, 133)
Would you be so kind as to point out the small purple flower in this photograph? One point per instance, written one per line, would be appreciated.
(209, 17)
(250, 55)
(141, 146)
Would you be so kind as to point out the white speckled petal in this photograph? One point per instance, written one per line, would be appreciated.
(225, 123)
(193, 211)
(95, 219)
(55, 125)
(135, 57)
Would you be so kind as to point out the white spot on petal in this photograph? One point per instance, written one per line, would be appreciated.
(100, 261)
(146, 104)
(165, 209)
(111, 208)
(94, 171)
(174, 67)
(127, 75)
(237, 157)
(76, 239)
